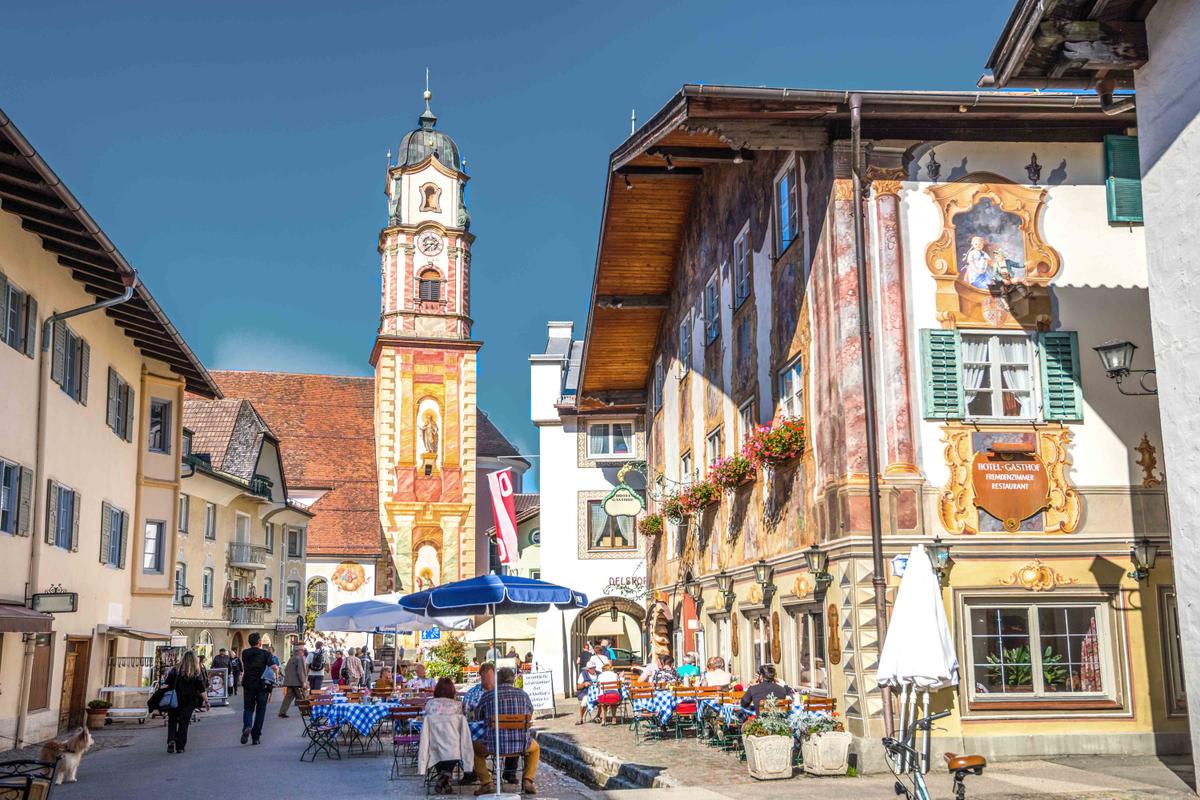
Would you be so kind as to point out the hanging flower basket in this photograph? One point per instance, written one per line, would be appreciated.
(699, 495)
(775, 444)
(672, 508)
(731, 472)
(651, 525)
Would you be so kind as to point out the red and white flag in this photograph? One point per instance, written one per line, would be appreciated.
(505, 512)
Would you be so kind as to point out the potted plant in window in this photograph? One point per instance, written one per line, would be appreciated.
(672, 508)
(1011, 670)
(825, 744)
(699, 495)
(776, 444)
(97, 713)
(767, 739)
(731, 472)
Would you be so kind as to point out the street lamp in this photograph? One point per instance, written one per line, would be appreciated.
(939, 558)
(691, 587)
(612, 612)
(1144, 554)
(763, 573)
(817, 561)
(1117, 357)
(187, 598)
(725, 588)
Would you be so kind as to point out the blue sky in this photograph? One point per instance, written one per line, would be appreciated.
(235, 151)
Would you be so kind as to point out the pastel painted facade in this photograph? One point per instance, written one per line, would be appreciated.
(90, 488)
(581, 546)
(992, 274)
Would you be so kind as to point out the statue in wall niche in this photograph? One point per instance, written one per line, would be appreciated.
(429, 434)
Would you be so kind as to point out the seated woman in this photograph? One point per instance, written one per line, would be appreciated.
(444, 703)
(764, 686)
(386, 683)
(666, 672)
(716, 675)
(689, 668)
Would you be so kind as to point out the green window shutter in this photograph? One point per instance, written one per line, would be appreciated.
(1123, 179)
(3, 307)
(58, 364)
(105, 531)
(129, 414)
(31, 325)
(114, 389)
(941, 378)
(25, 503)
(85, 355)
(124, 539)
(75, 523)
(1062, 398)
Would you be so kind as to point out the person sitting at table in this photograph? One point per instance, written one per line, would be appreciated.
(471, 697)
(507, 699)
(666, 673)
(716, 675)
(587, 676)
(648, 672)
(386, 683)
(764, 686)
(610, 700)
(689, 668)
(448, 744)
(418, 682)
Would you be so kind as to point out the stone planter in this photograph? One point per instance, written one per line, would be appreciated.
(768, 757)
(96, 717)
(827, 753)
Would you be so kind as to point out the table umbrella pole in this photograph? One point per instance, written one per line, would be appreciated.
(498, 767)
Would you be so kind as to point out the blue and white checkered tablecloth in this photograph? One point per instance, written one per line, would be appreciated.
(593, 695)
(662, 705)
(478, 727)
(363, 717)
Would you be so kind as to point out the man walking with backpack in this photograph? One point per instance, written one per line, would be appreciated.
(258, 678)
(318, 661)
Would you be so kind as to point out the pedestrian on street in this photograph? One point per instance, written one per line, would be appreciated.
(336, 669)
(318, 663)
(368, 665)
(235, 673)
(600, 658)
(295, 680)
(353, 668)
(258, 678)
(191, 692)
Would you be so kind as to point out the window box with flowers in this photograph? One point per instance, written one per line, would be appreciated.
(250, 602)
(651, 525)
(699, 495)
(776, 444)
(672, 508)
(731, 472)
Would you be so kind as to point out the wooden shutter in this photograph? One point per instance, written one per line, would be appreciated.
(941, 379)
(114, 394)
(51, 509)
(124, 539)
(85, 355)
(1062, 398)
(60, 352)
(1123, 173)
(25, 503)
(31, 325)
(75, 522)
(3, 308)
(129, 414)
(105, 531)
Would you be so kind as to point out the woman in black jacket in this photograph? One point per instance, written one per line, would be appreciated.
(191, 692)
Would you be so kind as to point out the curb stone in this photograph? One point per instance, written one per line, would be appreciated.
(598, 768)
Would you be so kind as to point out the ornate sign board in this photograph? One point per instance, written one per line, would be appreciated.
(1010, 486)
(55, 602)
(623, 501)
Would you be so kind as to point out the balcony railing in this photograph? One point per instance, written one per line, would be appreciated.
(247, 556)
(261, 486)
(245, 615)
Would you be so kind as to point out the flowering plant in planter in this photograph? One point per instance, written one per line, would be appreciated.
(250, 602)
(775, 444)
(812, 723)
(730, 472)
(698, 495)
(651, 525)
(672, 507)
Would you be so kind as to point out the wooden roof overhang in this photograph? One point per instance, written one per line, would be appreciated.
(32, 191)
(1070, 44)
(653, 177)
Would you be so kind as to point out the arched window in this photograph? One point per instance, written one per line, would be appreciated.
(318, 595)
(430, 286)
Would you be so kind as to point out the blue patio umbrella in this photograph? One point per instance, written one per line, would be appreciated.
(493, 595)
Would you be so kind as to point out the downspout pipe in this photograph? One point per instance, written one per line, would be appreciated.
(1111, 105)
(37, 536)
(879, 577)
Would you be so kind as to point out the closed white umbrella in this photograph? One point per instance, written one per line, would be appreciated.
(918, 653)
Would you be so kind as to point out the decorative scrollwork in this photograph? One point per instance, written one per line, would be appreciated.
(1038, 577)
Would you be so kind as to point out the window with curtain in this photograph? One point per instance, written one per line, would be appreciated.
(268, 588)
(1037, 650)
(610, 439)
(609, 533)
(791, 390)
(997, 374)
(712, 310)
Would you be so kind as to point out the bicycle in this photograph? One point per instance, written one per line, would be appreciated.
(906, 762)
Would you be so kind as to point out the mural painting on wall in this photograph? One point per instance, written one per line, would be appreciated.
(427, 569)
(990, 262)
(1006, 481)
(349, 576)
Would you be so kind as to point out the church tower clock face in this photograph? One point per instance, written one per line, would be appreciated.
(429, 243)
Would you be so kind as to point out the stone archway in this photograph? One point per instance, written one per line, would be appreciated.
(630, 620)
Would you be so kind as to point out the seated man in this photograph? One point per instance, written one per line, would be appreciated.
(386, 682)
(716, 675)
(586, 678)
(765, 685)
(419, 682)
(510, 700)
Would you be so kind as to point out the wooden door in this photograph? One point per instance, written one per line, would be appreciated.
(73, 700)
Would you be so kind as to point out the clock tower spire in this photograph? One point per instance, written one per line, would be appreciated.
(425, 363)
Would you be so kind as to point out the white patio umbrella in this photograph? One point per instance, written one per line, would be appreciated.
(918, 653)
(383, 613)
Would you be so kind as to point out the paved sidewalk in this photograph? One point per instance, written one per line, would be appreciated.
(609, 757)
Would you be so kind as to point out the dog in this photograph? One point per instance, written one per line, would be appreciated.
(67, 751)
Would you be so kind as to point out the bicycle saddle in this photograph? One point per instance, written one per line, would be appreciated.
(955, 762)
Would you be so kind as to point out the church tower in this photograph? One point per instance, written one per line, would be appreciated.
(424, 360)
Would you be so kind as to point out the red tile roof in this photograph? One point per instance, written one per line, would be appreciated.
(326, 430)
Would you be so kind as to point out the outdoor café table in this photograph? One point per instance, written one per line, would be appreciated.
(362, 719)
(593, 695)
(662, 705)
